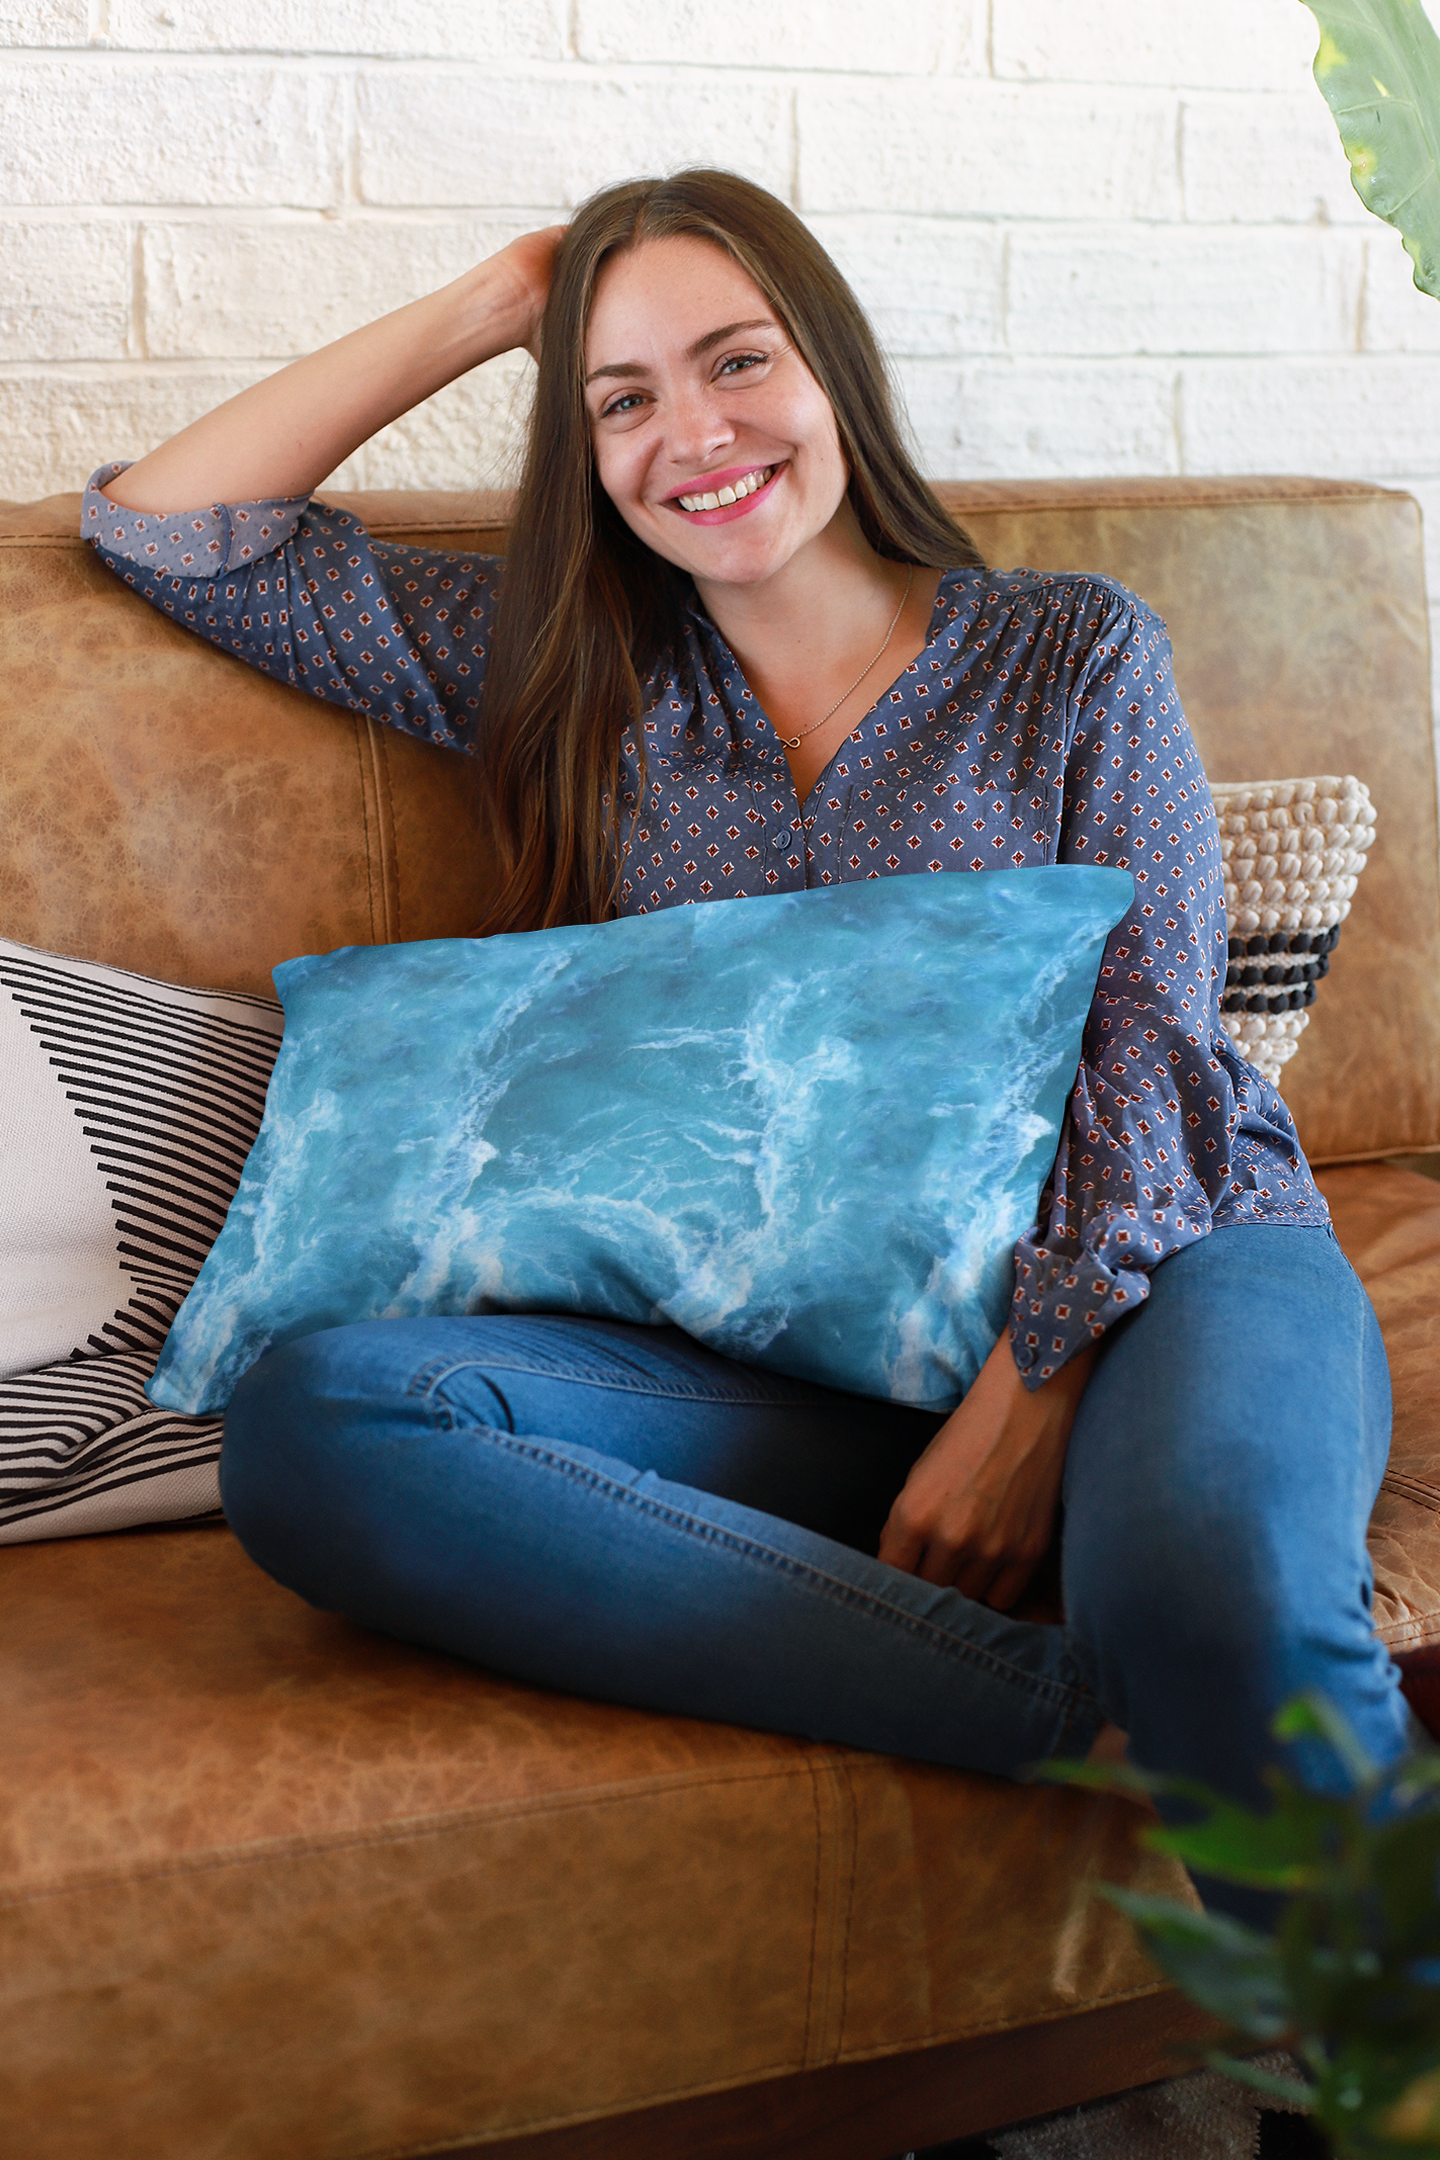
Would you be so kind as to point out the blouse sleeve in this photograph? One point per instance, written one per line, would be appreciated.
(1150, 1147)
(301, 591)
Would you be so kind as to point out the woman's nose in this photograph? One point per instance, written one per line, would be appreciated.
(696, 427)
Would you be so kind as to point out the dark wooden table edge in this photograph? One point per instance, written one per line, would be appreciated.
(894, 2103)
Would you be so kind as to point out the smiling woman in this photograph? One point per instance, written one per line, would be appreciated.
(696, 398)
(738, 648)
(718, 347)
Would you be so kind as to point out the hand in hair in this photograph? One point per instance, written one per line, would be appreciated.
(530, 262)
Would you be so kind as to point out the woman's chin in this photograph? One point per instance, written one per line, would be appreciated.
(745, 559)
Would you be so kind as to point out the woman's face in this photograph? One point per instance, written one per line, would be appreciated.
(697, 396)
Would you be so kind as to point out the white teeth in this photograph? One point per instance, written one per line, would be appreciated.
(735, 492)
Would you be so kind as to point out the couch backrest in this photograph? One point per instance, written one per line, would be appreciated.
(164, 808)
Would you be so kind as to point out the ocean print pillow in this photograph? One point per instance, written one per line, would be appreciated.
(807, 1128)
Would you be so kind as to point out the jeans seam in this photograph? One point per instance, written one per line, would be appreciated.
(432, 1376)
(1061, 1695)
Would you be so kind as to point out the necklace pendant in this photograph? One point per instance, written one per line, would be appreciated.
(793, 742)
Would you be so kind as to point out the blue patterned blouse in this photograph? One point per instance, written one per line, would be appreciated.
(1039, 725)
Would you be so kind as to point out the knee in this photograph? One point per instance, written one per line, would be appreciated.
(296, 1456)
(1151, 1559)
(1176, 1597)
(1202, 1627)
(265, 1471)
(276, 1417)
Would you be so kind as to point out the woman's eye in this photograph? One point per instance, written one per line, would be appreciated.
(736, 361)
(624, 404)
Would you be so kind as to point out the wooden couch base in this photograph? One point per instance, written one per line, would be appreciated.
(872, 2110)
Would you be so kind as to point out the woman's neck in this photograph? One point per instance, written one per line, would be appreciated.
(810, 608)
(804, 636)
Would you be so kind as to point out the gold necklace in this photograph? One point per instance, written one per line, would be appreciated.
(793, 742)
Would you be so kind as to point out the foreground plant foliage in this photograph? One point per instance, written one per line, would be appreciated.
(1350, 1980)
(1378, 68)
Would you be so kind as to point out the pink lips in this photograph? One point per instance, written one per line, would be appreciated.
(712, 484)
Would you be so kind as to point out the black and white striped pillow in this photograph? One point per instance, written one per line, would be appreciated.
(127, 1109)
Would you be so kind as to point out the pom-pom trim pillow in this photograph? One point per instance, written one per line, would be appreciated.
(808, 1128)
(1291, 852)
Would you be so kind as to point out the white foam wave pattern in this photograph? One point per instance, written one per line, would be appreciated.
(822, 1169)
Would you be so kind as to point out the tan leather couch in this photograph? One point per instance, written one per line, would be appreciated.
(274, 1889)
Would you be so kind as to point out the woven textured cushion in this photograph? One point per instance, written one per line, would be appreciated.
(127, 1109)
(1292, 851)
(807, 1128)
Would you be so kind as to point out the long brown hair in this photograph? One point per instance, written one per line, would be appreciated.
(586, 610)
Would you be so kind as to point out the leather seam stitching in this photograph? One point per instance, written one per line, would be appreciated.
(407, 1831)
(817, 1819)
(842, 1773)
(380, 746)
(361, 727)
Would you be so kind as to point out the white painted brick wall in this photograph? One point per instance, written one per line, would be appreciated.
(430, 133)
(488, 30)
(898, 37)
(1095, 235)
(987, 149)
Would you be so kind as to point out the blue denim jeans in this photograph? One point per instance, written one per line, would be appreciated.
(617, 1512)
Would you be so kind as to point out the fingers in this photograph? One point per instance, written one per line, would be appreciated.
(901, 1547)
(1011, 1584)
(983, 1565)
(935, 1559)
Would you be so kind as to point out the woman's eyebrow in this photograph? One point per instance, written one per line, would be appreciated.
(693, 352)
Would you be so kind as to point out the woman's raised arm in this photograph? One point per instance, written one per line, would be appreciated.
(282, 436)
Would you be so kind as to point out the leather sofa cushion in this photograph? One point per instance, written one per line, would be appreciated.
(1388, 1221)
(270, 1885)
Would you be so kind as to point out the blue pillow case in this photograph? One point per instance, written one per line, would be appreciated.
(807, 1128)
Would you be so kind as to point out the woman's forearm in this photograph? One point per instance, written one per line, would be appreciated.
(978, 1508)
(283, 435)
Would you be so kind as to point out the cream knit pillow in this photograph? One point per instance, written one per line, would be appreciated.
(1292, 852)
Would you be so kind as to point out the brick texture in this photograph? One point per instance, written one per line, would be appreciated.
(278, 285)
(65, 288)
(904, 37)
(44, 23)
(1224, 44)
(948, 148)
(487, 30)
(467, 135)
(1094, 235)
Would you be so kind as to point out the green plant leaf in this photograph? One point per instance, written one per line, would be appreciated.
(1409, 1779)
(1378, 67)
(1312, 1715)
(1121, 1777)
(1227, 1968)
(1350, 1981)
(1376, 2101)
(1405, 1860)
(1278, 1851)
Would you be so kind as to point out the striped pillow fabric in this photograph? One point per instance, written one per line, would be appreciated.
(127, 1109)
